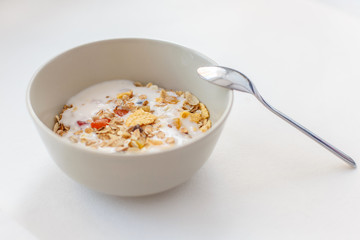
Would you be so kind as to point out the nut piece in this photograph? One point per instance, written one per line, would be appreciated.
(140, 117)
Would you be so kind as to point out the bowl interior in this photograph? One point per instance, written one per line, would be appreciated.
(167, 65)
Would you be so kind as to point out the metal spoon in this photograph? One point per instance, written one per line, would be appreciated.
(232, 79)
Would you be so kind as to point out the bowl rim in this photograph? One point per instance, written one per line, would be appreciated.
(48, 131)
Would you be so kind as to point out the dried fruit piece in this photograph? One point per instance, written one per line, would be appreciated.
(100, 123)
(80, 123)
(121, 112)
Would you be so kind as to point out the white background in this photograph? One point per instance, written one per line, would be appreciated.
(264, 180)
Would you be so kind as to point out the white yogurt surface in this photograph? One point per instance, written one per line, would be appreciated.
(91, 100)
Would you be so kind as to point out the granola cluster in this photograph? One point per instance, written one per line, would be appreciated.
(133, 121)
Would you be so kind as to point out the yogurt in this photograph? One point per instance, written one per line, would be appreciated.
(123, 116)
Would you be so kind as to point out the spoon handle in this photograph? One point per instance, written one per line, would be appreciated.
(316, 138)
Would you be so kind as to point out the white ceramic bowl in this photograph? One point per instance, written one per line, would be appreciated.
(168, 65)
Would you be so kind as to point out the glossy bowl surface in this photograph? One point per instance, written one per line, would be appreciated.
(166, 64)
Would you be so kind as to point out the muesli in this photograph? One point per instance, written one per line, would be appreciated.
(125, 116)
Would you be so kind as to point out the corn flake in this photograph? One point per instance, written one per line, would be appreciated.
(140, 117)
